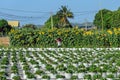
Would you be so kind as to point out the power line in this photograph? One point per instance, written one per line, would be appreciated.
(44, 16)
(17, 16)
(23, 10)
(39, 17)
(26, 11)
(92, 11)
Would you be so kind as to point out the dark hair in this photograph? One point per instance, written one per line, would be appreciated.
(59, 39)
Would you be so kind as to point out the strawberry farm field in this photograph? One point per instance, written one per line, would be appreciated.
(60, 63)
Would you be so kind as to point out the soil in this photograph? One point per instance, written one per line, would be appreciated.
(4, 41)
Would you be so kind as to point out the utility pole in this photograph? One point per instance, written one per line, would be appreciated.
(102, 20)
(101, 15)
(86, 24)
(51, 20)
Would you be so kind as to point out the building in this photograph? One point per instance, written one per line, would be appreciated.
(86, 25)
(14, 23)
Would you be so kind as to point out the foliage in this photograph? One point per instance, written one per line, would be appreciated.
(55, 22)
(3, 78)
(63, 14)
(118, 8)
(16, 78)
(74, 77)
(39, 72)
(111, 19)
(46, 77)
(60, 76)
(70, 38)
(116, 19)
(87, 76)
(104, 15)
(14, 69)
(3, 23)
(60, 19)
(30, 75)
(4, 27)
(30, 26)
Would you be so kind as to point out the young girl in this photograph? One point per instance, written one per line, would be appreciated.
(58, 40)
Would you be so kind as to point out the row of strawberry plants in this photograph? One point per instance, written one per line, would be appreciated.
(61, 63)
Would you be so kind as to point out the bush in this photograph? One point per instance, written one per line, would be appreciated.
(70, 38)
(4, 27)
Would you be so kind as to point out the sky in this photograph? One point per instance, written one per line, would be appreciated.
(38, 11)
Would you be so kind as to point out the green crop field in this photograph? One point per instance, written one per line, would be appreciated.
(59, 63)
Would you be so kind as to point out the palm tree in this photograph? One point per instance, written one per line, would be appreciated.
(64, 14)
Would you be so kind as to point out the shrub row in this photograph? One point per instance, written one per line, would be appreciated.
(70, 38)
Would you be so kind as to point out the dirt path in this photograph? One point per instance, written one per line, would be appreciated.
(4, 41)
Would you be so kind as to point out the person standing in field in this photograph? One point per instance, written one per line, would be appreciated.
(59, 41)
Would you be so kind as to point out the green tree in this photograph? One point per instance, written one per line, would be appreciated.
(103, 17)
(55, 22)
(116, 19)
(118, 8)
(4, 27)
(108, 20)
(64, 14)
(60, 19)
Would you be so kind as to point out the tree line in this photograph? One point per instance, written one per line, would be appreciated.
(107, 19)
(104, 18)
